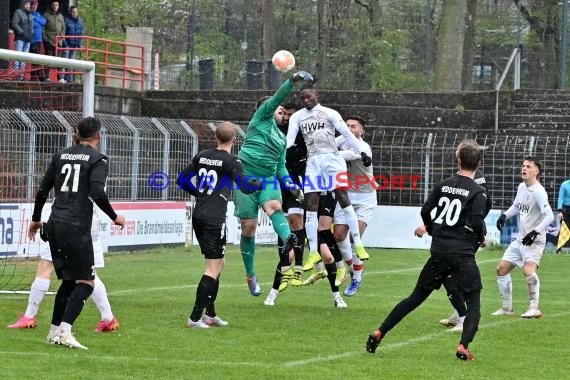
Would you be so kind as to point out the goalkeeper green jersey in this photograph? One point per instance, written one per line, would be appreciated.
(263, 150)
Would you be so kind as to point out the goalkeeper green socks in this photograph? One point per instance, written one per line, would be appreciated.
(247, 246)
(280, 225)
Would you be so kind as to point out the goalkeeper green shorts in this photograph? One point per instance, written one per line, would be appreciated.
(247, 205)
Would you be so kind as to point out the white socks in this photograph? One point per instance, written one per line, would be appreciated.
(101, 300)
(37, 292)
(311, 226)
(506, 290)
(345, 248)
(352, 222)
(533, 289)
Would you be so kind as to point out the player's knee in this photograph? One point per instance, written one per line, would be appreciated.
(502, 270)
(340, 232)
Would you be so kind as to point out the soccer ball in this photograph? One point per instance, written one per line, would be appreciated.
(283, 61)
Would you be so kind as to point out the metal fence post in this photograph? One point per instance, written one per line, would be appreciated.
(194, 136)
(31, 152)
(136, 151)
(68, 128)
(427, 166)
(166, 150)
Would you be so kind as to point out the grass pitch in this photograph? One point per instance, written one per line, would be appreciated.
(302, 337)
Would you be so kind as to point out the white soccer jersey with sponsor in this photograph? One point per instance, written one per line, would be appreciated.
(318, 126)
(362, 190)
(532, 205)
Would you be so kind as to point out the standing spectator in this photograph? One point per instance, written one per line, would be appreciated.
(22, 24)
(35, 46)
(73, 27)
(55, 27)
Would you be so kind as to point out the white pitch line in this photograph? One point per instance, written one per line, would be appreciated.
(63, 354)
(166, 288)
(395, 346)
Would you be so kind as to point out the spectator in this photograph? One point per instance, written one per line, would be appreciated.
(73, 27)
(35, 46)
(55, 27)
(22, 24)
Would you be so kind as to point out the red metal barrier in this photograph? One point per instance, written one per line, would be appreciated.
(118, 64)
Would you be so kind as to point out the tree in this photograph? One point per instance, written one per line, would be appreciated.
(450, 40)
(543, 19)
(268, 18)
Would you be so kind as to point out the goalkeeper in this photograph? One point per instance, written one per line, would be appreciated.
(263, 155)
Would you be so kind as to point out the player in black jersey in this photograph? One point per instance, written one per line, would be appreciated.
(454, 294)
(458, 204)
(78, 176)
(210, 177)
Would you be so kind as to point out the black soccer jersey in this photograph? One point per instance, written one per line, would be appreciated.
(453, 215)
(480, 180)
(78, 176)
(296, 157)
(210, 177)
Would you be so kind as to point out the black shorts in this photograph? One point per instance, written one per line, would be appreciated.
(212, 239)
(71, 251)
(327, 204)
(289, 201)
(462, 269)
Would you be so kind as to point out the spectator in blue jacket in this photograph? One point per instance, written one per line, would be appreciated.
(73, 27)
(36, 43)
(22, 24)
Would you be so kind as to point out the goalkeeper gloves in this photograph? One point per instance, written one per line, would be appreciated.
(366, 160)
(302, 76)
(530, 237)
(254, 184)
(501, 221)
(296, 191)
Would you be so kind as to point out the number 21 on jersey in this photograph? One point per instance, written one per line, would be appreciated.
(68, 171)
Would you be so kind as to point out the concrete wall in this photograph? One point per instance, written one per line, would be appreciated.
(458, 110)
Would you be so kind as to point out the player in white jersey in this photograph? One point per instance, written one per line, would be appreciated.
(41, 284)
(531, 204)
(325, 166)
(362, 195)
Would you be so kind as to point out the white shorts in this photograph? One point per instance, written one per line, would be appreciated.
(518, 254)
(363, 212)
(322, 171)
(45, 253)
(294, 210)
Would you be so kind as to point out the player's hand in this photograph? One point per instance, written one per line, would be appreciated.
(34, 227)
(120, 221)
(483, 243)
(302, 76)
(530, 237)
(501, 221)
(297, 192)
(254, 184)
(560, 215)
(366, 160)
(420, 231)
